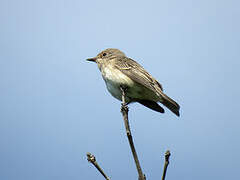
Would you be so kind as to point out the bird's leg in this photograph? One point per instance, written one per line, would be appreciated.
(124, 104)
(124, 110)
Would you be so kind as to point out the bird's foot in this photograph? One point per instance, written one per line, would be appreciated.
(123, 89)
(124, 107)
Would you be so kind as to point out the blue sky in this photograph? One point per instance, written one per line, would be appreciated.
(54, 107)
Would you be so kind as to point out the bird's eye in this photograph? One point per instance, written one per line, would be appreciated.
(104, 54)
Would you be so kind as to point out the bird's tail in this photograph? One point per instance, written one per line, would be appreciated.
(170, 104)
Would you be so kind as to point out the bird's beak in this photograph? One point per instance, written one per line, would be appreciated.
(92, 59)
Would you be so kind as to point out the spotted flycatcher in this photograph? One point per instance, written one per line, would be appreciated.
(119, 71)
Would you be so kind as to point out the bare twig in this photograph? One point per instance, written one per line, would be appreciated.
(124, 110)
(167, 155)
(91, 158)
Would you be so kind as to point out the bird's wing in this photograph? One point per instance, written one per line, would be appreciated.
(152, 105)
(137, 73)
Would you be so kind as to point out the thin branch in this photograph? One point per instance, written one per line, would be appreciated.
(124, 110)
(167, 155)
(91, 158)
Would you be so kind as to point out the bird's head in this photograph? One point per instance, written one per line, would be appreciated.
(107, 54)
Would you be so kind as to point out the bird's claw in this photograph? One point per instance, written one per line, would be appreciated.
(124, 107)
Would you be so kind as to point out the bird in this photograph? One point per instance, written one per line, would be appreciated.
(119, 71)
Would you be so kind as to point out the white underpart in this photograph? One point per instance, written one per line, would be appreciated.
(113, 79)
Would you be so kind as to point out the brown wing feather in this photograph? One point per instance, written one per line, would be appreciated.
(137, 73)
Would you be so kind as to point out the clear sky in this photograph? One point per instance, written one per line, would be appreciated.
(54, 107)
